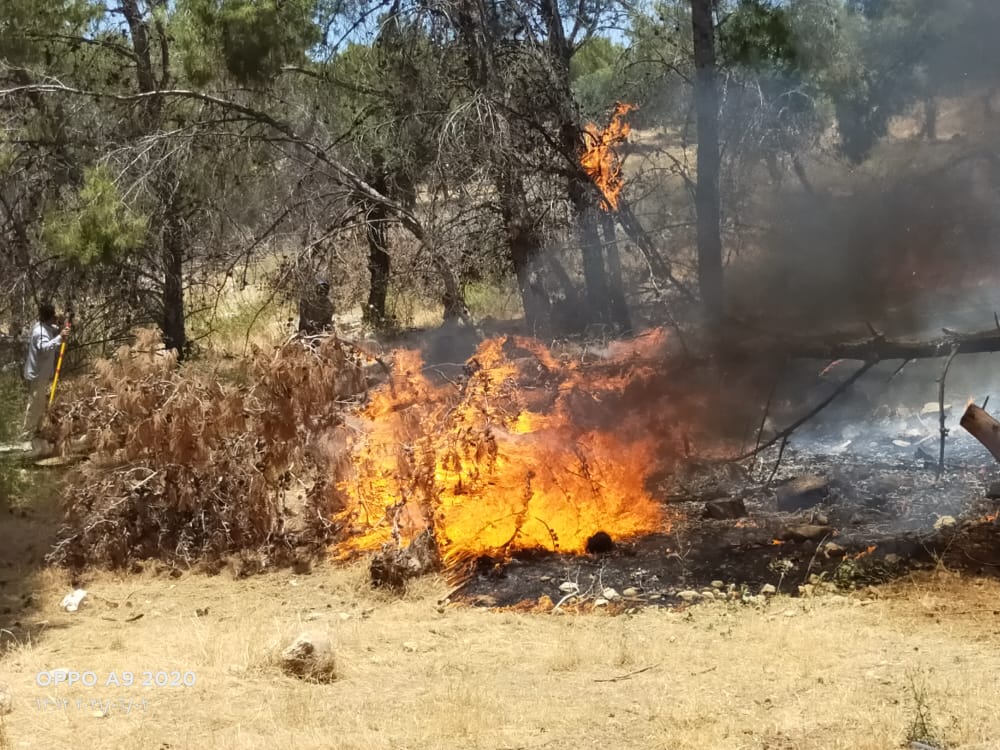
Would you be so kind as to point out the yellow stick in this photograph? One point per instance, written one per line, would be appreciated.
(55, 380)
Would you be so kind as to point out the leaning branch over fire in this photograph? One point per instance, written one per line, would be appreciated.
(881, 349)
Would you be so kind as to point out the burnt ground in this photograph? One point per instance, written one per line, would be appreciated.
(840, 489)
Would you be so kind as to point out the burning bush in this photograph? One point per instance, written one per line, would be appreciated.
(202, 460)
(529, 451)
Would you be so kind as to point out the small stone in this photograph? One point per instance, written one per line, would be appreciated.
(610, 594)
(892, 559)
(688, 596)
(6, 700)
(789, 613)
(655, 597)
(726, 509)
(718, 584)
(545, 579)
(568, 587)
(309, 656)
(807, 590)
(832, 549)
(72, 601)
(945, 522)
(807, 532)
(708, 594)
(600, 602)
(768, 589)
(631, 591)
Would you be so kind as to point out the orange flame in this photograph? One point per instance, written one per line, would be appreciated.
(776, 542)
(863, 553)
(990, 517)
(529, 453)
(600, 160)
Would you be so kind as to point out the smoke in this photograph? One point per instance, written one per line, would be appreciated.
(906, 239)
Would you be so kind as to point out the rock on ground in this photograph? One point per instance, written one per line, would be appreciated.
(309, 656)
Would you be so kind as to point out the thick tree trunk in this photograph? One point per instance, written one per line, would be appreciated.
(524, 247)
(172, 241)
(616, 286)
(594, 273)
(707, 201)
(379, 260)
(379, 263)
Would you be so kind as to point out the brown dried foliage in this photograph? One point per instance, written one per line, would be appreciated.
(207, 459)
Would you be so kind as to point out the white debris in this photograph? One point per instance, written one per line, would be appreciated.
(72, 601)
(945, 522)
(610, 594)
(768, 589)
(568, 587)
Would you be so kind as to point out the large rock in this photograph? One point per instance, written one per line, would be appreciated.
(803, 492)
(309, 656)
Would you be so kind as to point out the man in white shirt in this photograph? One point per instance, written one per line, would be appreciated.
(40, 365)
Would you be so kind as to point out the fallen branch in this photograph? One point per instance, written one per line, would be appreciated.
(787, 432)
(629, 675)
(877, 347)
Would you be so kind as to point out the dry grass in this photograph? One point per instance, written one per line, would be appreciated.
(826, 674)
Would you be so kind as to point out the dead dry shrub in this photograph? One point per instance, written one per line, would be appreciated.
(197, 461)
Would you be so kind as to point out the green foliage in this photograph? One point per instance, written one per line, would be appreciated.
(758, 34)
(100, 228)
(23, 21)
(252, 39)
(594, 73)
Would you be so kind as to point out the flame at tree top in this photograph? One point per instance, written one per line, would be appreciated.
(530, 452)
(600, 160)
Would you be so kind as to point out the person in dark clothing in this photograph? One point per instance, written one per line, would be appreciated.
(316, 310)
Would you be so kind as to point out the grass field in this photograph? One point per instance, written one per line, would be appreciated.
(846, 673)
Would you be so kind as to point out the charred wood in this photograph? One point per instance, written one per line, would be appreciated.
(984, 428)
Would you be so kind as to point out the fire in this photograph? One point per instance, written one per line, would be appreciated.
(776, 542)
(600, 160)
(863, 553)
(990, 517)
(530, 452)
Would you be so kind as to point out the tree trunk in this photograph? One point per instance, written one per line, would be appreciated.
(579, 190)
(379, 263)
(524, 247)
(616, 287)
(379, 260)
(594, 273)
(172, 241)
(707, 201)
